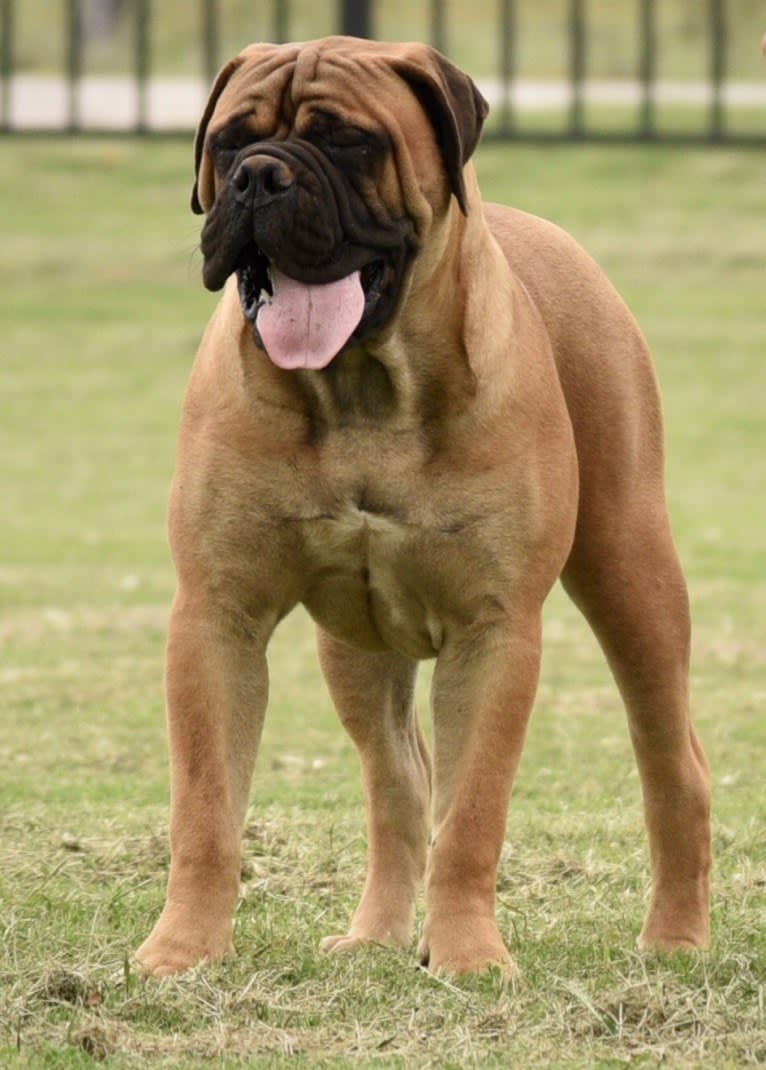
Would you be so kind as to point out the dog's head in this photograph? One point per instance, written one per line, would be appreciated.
(321, 168)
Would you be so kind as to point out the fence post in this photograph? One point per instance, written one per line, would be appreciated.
(438, 25)
(73, 63)
(281, 21)
(577, 66)
(210, 39)
(718, 48)
(507, 65)
(648, 67)
(142, 46)
(6, 60)
(356, 18)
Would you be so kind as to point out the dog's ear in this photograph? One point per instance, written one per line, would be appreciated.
(202, 191)
(454, 105)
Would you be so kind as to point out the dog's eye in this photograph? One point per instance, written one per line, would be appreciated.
(224, 154)
(225, 145)
(349, 147)
(334, 136)
(223, 149)
(349, 139)
(224, 157)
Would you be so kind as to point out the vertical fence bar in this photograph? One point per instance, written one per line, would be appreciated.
(507, 66)
(211, 39)
(648, 67)
(718, 49)
(141, 45)
(6, 60)
(577, 67)
(281, 21)
(438, 33)
(356, 17)
(74, 62)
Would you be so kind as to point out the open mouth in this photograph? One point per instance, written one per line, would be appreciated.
(303, 324)
(256, 282)
(253, 281)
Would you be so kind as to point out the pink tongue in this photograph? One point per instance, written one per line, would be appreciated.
(306, 326)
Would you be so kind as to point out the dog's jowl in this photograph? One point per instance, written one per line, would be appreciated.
(412, 412)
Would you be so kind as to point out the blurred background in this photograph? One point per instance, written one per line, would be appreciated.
(626, 68)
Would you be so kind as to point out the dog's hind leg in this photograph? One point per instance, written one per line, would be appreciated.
(624, 574)
(374, 696)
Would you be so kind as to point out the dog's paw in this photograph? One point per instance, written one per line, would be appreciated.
(169, 950)
(356, 941)
(676, 928)
(657, 941)
(335, 944)
(459, 945)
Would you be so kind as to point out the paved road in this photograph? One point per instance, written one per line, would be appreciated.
(40, 101)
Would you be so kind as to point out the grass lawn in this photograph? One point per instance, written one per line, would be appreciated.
(101, 310)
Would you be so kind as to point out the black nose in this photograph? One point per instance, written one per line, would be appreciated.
(259, 179)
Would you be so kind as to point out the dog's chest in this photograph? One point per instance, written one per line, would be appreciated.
(398, 574)
(366, 581)
(391, 543)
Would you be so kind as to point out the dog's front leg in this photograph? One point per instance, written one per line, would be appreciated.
(217, 687)
(483, 689)
(374, 696)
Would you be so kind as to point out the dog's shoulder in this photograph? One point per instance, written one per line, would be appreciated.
(577, 301)
(535, 247)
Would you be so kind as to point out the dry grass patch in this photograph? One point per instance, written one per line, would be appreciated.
(582, 996)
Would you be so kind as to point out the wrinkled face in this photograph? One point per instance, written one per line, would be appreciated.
(321, 167)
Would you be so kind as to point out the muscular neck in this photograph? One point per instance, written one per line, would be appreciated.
(419, 370)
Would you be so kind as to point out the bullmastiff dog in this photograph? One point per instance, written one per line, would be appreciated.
(411, 412)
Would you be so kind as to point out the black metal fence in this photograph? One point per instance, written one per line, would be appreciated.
(636, 106)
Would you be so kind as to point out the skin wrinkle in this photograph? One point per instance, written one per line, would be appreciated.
(304, 73)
